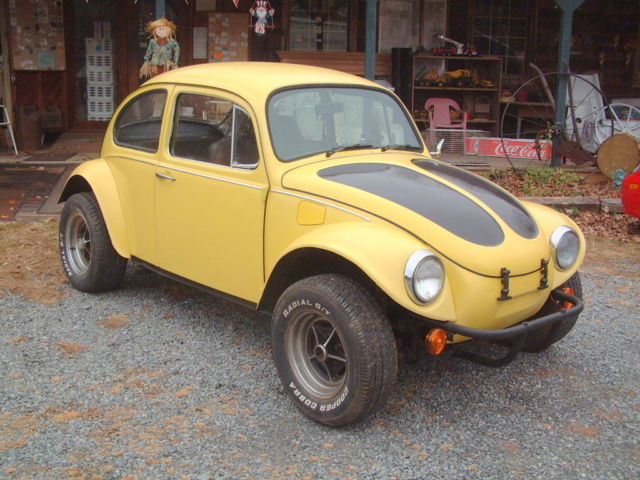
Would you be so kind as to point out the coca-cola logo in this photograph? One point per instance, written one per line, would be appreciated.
(512, 148)
(521, 150)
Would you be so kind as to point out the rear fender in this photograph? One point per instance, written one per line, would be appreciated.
(95, 176)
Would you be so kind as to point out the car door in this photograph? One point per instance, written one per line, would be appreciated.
(211, 188)
(131, 152)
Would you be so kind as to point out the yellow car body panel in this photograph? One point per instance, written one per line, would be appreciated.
(223, 249)
(349, 235)
(99, 176)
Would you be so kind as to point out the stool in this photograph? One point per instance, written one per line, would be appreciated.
(5, 122)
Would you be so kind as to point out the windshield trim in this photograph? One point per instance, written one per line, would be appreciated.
(380, 89)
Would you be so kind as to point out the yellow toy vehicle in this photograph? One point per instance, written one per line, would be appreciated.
(461, 78)
(309, 195)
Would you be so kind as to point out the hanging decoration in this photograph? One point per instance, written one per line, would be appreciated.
(163, 51)
(261, 16)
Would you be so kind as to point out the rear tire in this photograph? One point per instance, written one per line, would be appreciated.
(88, 257)
(543, 338)
(334, 349)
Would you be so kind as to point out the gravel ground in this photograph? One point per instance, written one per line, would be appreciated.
(157, 381)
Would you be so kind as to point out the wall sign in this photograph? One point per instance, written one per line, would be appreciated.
(228, 37)
(37, 34)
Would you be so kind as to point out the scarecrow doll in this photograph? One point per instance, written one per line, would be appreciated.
(163, 51)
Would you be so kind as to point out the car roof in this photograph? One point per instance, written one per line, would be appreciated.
(257, 79)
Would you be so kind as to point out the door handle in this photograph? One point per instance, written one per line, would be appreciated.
(164, 176)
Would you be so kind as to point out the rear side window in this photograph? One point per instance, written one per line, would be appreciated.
(138, 124)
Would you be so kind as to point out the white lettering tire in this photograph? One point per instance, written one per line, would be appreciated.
(334, 349)
(88, 257)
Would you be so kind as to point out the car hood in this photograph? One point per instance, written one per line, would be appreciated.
(464, 217)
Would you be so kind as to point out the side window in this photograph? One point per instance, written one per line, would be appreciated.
(138, 124)
(213, 130)
(245, 149)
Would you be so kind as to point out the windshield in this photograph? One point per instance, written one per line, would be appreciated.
(307, 121)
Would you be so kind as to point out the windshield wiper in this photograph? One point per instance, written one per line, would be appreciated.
(400, 147)
(355, 146)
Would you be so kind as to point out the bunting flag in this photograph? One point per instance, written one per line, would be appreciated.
(235, 2)
(185, 1)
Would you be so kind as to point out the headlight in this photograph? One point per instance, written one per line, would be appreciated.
(566, 246)
(424, 276)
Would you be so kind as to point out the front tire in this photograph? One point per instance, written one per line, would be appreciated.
(88, 257)
(543, 338)
(334, 349)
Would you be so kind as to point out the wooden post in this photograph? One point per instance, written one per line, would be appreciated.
(161, 8)
(370, 40)
(5, 88)
(564, 53)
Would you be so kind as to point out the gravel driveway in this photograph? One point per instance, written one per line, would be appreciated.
(157, 380)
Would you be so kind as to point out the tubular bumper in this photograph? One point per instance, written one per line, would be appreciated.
(523, 328)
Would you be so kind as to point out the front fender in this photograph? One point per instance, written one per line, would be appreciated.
(95, 176)
(548, 220)
(381, 252)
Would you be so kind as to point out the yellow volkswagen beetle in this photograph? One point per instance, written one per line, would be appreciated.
(309, 194)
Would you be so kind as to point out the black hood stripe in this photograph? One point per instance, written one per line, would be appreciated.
(502, 203)
(427, 197)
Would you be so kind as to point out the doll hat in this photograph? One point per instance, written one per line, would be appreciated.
(161, 22)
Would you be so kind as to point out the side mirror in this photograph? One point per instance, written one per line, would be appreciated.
(438, 152)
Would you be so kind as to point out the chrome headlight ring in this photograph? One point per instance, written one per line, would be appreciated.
(424, 277)
(566, 247)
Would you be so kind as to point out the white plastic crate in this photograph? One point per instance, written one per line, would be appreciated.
(100, 76)
(98, 45)
(98, 110)
(454, 138)
(99, 60)
(100, 92)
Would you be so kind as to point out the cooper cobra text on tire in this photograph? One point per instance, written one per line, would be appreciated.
(88, 257)
(334, 349)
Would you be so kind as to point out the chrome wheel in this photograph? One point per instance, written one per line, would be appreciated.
(78, 243)
(316, 354)
(334, 348)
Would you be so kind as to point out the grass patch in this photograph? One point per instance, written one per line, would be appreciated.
(30, 263)
(539, 181)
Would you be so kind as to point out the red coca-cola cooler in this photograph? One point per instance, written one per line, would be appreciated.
(514, 147)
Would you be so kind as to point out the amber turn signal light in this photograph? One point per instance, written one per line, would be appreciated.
(435, 341)
(570, 291)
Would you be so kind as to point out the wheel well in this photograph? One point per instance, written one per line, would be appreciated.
(307, 262)
(75, 184)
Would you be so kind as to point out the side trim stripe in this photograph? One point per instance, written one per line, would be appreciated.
(311, 199)
(210, 177)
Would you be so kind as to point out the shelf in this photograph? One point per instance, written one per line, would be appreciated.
(487, 121)
(483, 121)
(471, 58)
(489, 17)
(463, 89)
(488, 67)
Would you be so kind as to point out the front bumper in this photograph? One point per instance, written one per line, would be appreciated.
(523, 328)
(514, 337)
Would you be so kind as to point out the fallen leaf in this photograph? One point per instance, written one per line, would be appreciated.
(70, 349)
